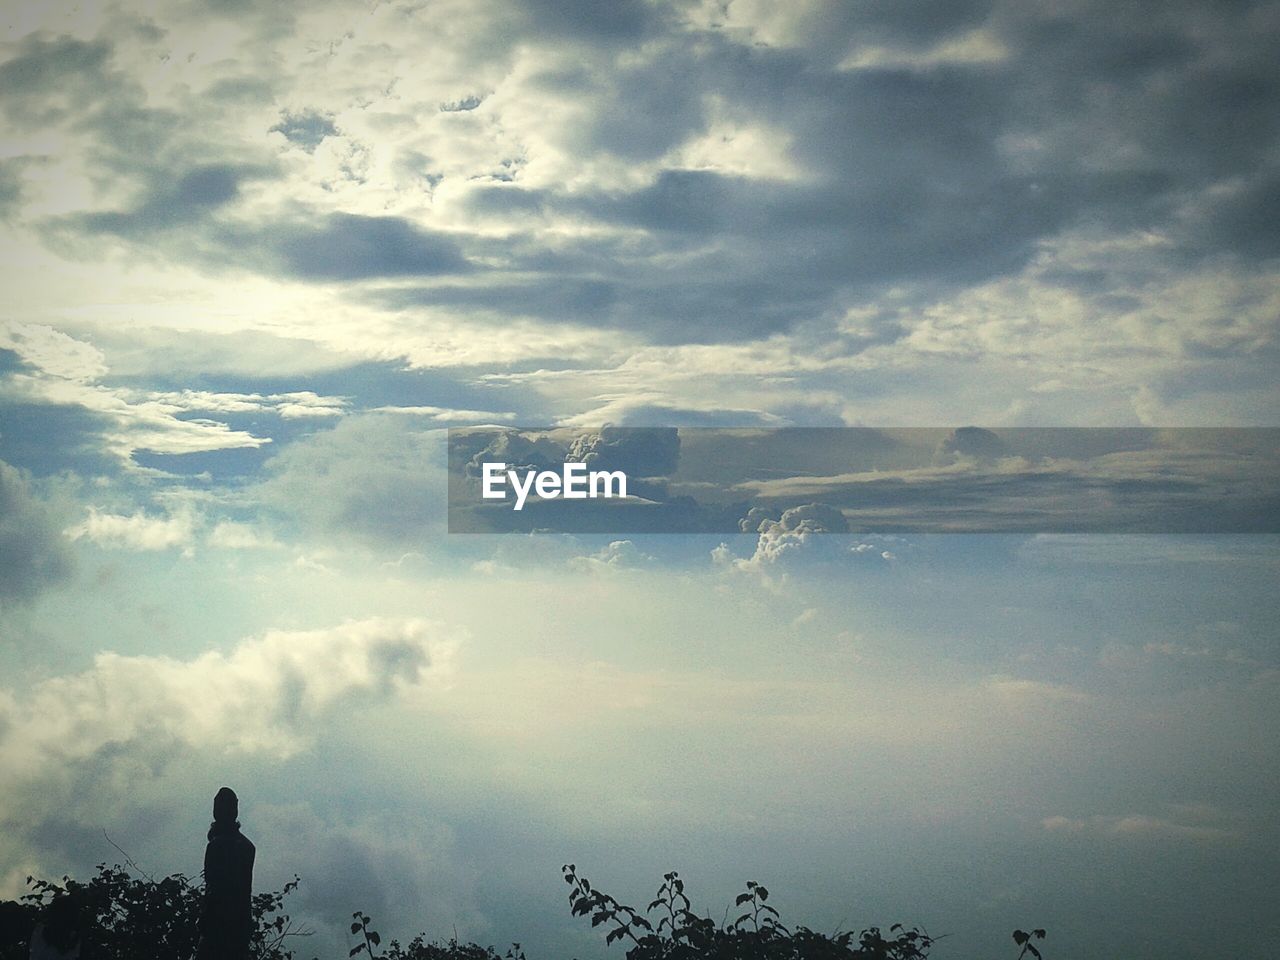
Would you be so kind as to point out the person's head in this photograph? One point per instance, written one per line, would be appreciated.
(226, 806)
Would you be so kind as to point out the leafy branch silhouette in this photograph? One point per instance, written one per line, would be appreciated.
(1023, 939)
(757, 934)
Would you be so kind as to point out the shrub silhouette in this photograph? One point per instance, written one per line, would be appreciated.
(757, 934)
(419, 948)
(123, 917)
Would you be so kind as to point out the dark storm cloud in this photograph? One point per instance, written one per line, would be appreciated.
(918, 167)
(193, 196)
(345, 246)
(335, 247)
(33, 552)
(943, 175)
(1243, 220)
(687, 308)
(46, 78)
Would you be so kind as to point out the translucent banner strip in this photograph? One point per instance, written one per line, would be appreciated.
(630, 480)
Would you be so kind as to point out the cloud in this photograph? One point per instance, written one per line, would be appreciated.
(265, 696)
(32, 554)
(46, 77)
(52, 352)
(1149, 487)
(299, 404)
(61, 372)
(306, 128)
(230, 535)
(973, 442)
(646, 452)
(368, 478)
(807, 533)
(616, 555)
(135, 532)
(347, 247)
(840, 191)
(1138, 827)
(10, 186)
(386, 862)
(195, 195)
(447, 414)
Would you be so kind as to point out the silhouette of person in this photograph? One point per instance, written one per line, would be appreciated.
(226, 918)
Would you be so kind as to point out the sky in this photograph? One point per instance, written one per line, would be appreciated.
(256, 258)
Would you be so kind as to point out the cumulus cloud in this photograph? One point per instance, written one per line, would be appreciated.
(616, 555)
(974, 442)
(137, 531)
(263, 696)
(32, 554)
(231, 535)
(645, 452)
(809, 533)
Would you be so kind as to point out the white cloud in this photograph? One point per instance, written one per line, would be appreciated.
(290, 406)
(975, 48)
(240, 536)
(1020, 690)
(52, 351)
(447, 414)
(65, 372)
(617, 555)
(264, 696)
(1202, 828)
(138, 531)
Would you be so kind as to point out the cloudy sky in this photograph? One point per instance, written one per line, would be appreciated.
(258, 256)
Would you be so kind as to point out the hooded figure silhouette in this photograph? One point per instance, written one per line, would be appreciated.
(226, 919)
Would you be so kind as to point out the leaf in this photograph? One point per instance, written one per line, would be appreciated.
(355, 928)
(1039, 934)
(374, 938)
(1020, 938)
(742, 898)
